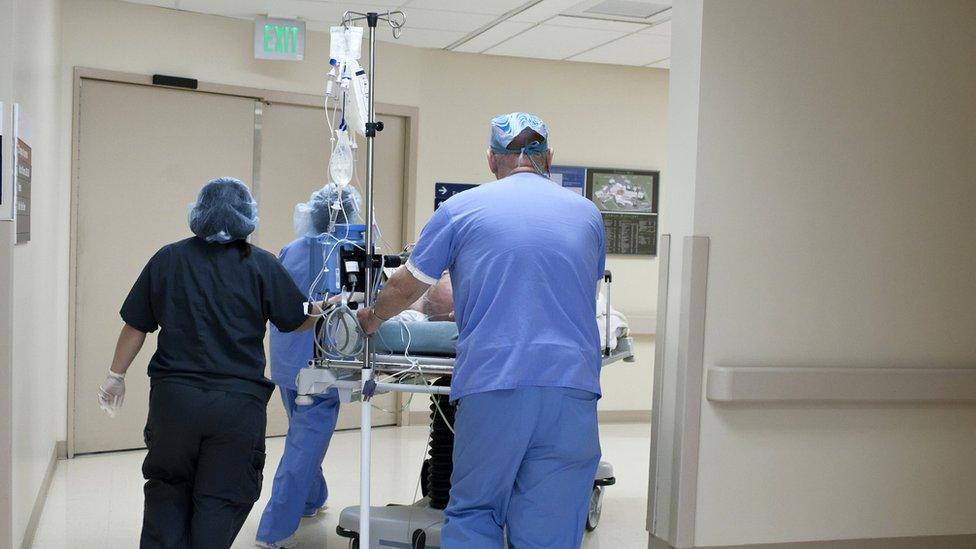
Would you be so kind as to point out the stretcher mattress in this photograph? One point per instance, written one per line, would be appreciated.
(423, 338)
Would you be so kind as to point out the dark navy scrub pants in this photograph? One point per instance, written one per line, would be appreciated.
(204, 467)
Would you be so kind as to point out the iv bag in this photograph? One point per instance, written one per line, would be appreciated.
(342, 163)
(357, 106)
(346, 43)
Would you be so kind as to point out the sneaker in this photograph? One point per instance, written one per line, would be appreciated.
(314, 511)
(288, 543)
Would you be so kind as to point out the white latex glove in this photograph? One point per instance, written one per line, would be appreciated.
(112, 393)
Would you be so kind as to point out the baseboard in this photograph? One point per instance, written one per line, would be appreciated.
(414, 417)
(60, 452)
(624, 416)
(606, 416)
(964, 541)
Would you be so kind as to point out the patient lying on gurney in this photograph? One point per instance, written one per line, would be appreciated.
(437, 304)
(428, 327)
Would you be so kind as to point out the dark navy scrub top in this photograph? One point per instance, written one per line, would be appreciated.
(212, 305)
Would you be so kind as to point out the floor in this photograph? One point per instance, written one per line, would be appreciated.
(96, 501)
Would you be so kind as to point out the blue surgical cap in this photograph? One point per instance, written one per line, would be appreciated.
(224, 211)
(320, 213)
(506, 127)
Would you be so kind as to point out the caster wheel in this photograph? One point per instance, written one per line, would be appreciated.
(419, 540)
(596, 509)
(354, 543)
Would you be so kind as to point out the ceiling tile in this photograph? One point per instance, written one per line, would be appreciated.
(544, 10)
(553, 42)
(423, 38)
(661, 29)
(663, 64)
(633, 49)
(312, 10)
(320, 10)
(492, 7)
(159, 3)
(595, 24)
(229, 8)
(493, 36)
(446, 20)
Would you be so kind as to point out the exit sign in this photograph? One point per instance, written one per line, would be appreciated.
(282, 39)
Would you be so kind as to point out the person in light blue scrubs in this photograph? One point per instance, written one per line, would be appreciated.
(299, 488)
(525, 257)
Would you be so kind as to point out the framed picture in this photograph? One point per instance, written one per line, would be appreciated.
(624, 191)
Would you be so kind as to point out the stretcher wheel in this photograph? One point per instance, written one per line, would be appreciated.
(595, 510)
(354, 543)
(419, 540)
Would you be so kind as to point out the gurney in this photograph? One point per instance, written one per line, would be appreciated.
(426, 368)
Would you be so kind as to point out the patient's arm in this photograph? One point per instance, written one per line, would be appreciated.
(437, 303)
(400, 291)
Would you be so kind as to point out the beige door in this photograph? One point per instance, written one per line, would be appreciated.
(143, 153)
(294, 163)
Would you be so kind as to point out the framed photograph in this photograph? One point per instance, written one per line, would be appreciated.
(624, 191)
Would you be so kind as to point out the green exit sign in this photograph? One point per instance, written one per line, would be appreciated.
(282, 39)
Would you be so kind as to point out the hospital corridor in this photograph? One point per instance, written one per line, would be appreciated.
(493, 274)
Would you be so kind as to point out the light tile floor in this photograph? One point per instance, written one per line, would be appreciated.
(96, 501)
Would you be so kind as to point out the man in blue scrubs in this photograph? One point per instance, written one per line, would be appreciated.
(299, 487)
(525, 257)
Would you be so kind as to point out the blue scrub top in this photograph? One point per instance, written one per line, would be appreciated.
(290, 352)
(525, 257)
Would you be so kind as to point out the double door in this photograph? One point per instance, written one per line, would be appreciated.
(141, 155)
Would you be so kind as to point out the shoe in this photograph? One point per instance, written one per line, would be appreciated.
(314, 511)
(288, 543)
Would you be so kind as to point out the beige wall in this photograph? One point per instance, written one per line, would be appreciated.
(6, 289)
(38, 287)
(599, 115)
(835, 166)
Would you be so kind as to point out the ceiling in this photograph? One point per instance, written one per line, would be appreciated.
(619, 32)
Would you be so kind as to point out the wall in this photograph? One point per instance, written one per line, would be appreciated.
(600, 115)
(837, 147)
(39, 289)
(677, 220)
(6, 287)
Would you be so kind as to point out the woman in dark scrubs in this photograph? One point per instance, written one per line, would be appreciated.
(210, 296)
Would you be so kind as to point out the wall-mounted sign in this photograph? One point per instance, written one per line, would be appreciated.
(624, 191)
(628, 201)
(443, 191)
(3, 175)
(630, 234)
(281, 39)
(23, 161)
(569, 177)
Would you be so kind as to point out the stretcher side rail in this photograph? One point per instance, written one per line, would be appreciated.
(324, 374)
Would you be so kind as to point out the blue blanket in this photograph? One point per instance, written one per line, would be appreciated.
(424, 338)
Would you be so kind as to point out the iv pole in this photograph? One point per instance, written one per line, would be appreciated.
(396, 19)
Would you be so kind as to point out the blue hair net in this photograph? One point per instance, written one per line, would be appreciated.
(325, 208)
(506, 127)
(224, 211)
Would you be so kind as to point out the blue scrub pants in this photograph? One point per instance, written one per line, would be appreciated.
(523, 459)
(299, 485)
